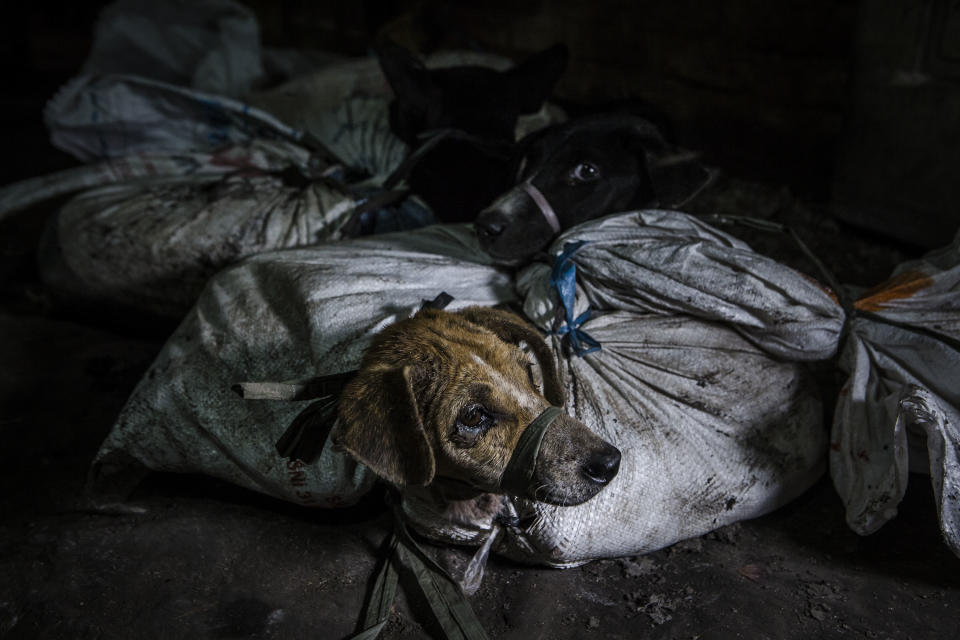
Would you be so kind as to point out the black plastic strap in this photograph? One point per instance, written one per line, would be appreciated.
(305, 437)
(442, 300)
(516, 477)
(445, 597)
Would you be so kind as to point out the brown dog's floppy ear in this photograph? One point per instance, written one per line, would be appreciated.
(380, 425)
(513, 329)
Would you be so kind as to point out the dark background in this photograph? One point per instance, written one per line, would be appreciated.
(852, 103)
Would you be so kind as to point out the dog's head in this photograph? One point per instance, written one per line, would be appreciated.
(448, 396)
(584, 169)
(478, 100)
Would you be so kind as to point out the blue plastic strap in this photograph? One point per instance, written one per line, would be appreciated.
(563, 277)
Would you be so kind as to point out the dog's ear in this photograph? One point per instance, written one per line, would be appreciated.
(405, 72)
(675, 174)
(510, 328)
(535, 77)
(413, 88)
(380, 425)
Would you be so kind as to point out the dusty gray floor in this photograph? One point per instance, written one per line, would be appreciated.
(207, 560)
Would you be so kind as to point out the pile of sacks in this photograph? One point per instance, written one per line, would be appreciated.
(678, 344)
(699, 379)
(190, 167)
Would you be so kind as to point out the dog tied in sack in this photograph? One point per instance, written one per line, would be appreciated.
(452, 400)
(584, 169)
(461, 123)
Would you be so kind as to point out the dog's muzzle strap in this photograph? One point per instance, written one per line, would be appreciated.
(543, 205)
(516, 477)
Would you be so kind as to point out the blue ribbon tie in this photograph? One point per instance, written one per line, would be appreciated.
(563, 277)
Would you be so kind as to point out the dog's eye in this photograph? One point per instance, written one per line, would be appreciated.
(584, 172)
(474, 418)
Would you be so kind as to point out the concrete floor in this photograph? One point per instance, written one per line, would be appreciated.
(207, 560)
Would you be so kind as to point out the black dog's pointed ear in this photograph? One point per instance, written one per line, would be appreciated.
(380, 425)
(406, 74)
(511, 328)
(675, 174)
(535, 77)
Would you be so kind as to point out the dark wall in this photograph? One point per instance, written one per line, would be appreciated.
(853, 102)
(759, 86)
(857, 102)
(898, 170)
(41, 45)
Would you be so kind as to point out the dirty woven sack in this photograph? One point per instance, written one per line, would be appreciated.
(282, 316)
(261, 155)
(712, 427)
(211, 46)
(94, 117)
(692, 381)
(164, 77)
(150, 244)
(899, 411)
(346, 107)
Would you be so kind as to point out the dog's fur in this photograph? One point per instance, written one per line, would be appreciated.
(461, 175)
(442, 398)
(586, 168)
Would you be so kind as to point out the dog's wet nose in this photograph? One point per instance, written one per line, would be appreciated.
(603, 465)
(488, 228)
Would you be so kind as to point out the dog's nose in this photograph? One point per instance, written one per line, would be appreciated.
(603, 465)
(488, 228)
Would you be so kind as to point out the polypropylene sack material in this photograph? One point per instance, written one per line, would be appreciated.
(357, 131)
(100, 116)
(164, 78)
(284, 316)
(211, 46)
(712, 428)
(256, 155)
(151, 244)
(668, 263)
(899, 411)
(689, 382)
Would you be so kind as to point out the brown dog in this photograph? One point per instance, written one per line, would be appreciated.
(447, 396)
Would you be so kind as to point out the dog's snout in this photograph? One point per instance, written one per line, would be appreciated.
(488, 226)
(603, 465)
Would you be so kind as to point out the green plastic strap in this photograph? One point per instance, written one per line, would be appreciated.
(446, 599)
(516, 477)
(382, 595)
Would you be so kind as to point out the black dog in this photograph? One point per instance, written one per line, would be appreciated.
(584, 169)
(467, 116)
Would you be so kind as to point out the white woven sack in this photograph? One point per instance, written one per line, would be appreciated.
(93, 117)
(212, 45)
(151, 243)
(712, 428)
(262, 155)
(285, 316)
(899, 411)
